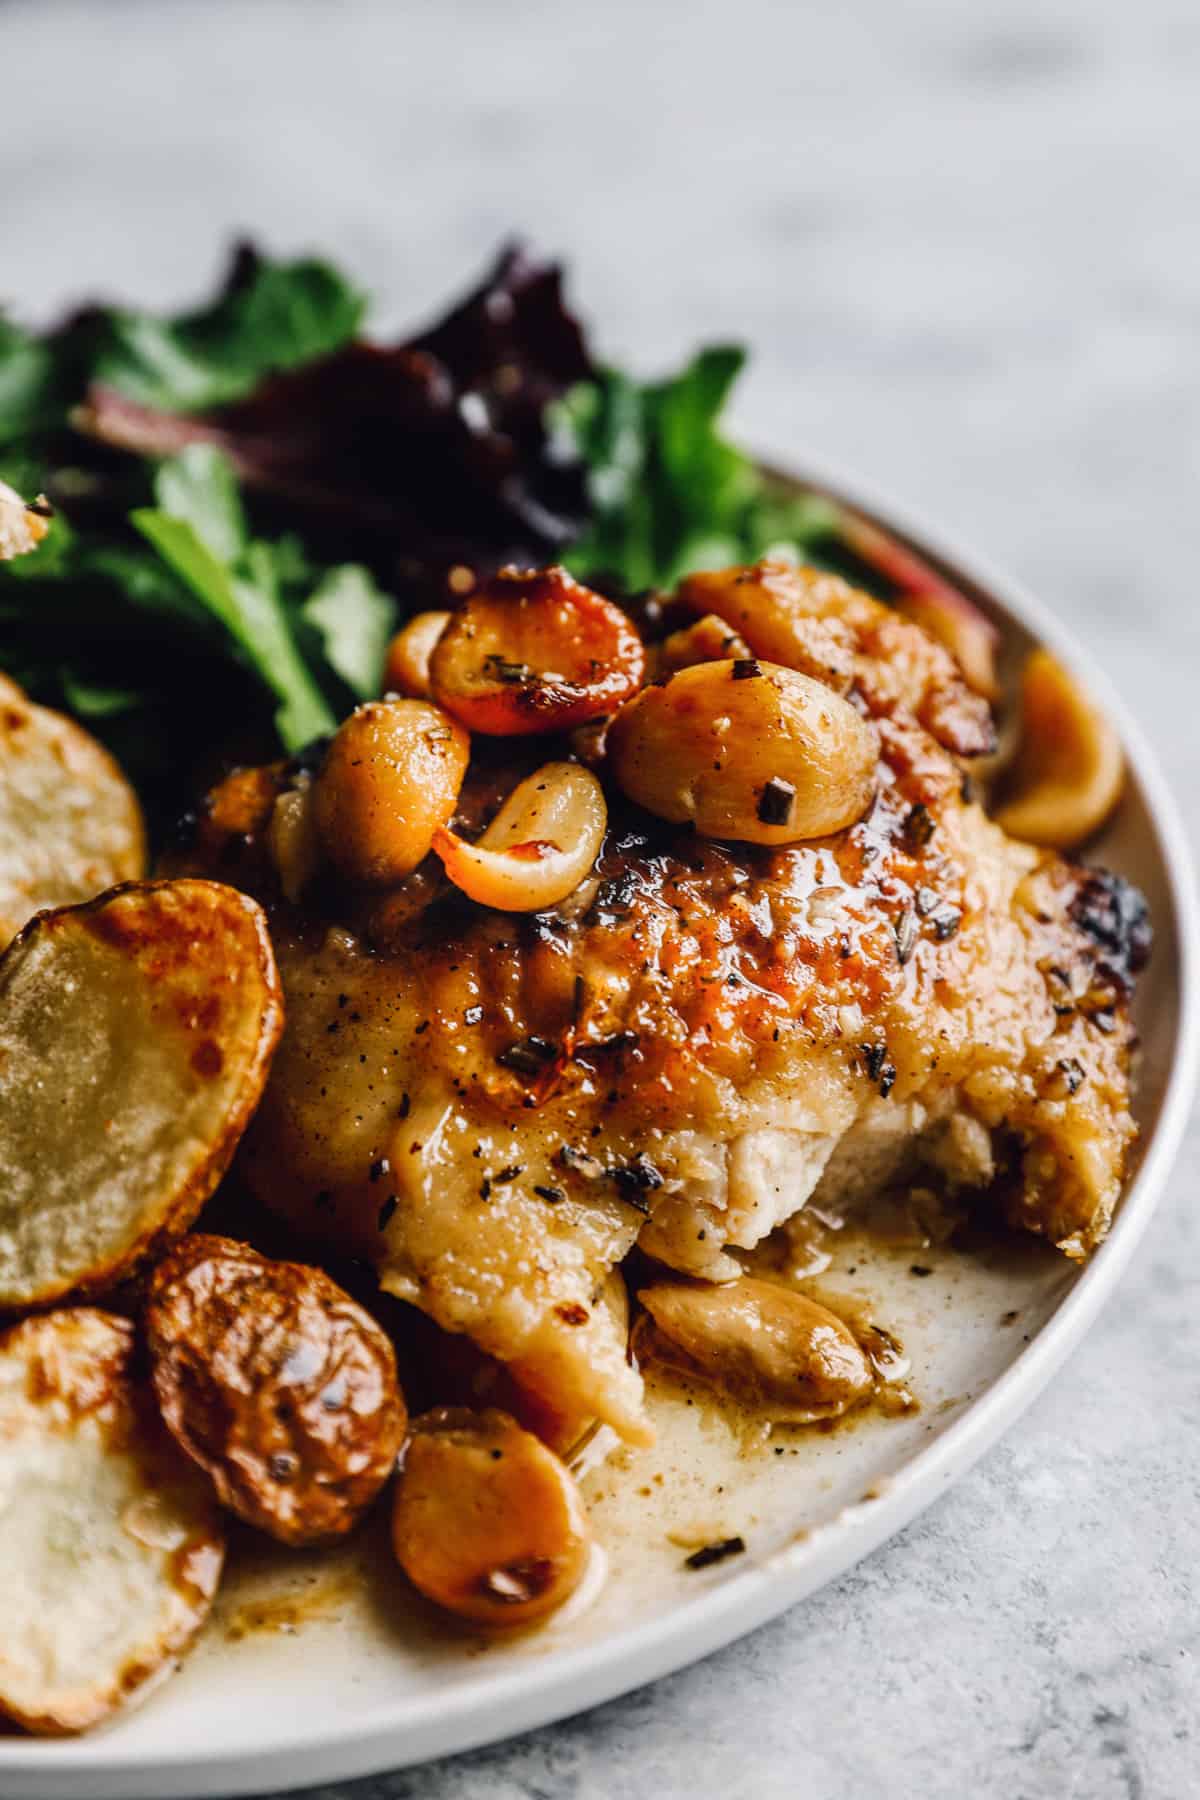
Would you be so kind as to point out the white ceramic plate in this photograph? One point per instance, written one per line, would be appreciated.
(310, 1673)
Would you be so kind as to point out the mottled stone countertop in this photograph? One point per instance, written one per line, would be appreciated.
(963, 241)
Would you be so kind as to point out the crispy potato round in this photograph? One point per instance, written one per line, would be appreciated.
(135, 1037)
(538, 848)
(70, 824)
(535, 651)
(391, 777)
(111, 1542)
(745, 750)
(769, 1347)
(278, 1383)
(487, 1522)
(407, 668)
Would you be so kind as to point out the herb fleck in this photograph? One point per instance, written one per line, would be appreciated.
(776, 801)
(714, 1553)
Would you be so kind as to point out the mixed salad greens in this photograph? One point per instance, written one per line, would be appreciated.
(247, 496)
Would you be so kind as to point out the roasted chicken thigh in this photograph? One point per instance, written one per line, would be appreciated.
(494, 1107)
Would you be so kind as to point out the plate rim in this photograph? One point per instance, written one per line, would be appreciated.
(500, 1705)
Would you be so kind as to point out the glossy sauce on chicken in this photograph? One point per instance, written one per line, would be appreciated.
(494, 1108)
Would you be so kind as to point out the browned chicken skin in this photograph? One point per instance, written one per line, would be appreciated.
(494, 1108)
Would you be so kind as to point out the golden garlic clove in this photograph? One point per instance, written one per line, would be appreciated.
(406, 670)
(487, 1522)
(390, 779)
(1070, 770)
(767, 1346)
(535, 651)
(538, 848)
(746, 750)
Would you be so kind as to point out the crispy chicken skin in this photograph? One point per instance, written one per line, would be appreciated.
(495, 1108)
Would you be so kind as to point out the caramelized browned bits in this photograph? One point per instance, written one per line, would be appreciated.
(277, 1383)
(534, 651)
(767, 1346)
(487, 1522)
(745, 749)
(391, 778)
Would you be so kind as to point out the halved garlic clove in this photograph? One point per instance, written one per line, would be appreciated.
(406, 670)
(1070, 770)
(538, 848)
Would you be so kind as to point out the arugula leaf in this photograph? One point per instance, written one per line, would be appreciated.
(199, 531)
(669, 494)
(355, 620)
(270, 316)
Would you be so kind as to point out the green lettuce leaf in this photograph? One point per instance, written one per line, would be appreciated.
(271, 316)
(667, 492)
(355, 620)
(199, 531)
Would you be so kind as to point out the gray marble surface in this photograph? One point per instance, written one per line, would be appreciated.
(963, 241)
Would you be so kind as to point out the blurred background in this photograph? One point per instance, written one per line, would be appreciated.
(962, 242)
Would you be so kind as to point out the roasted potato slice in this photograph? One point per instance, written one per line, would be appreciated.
(135, 1037)
(278, 1383)
(111, 1542)
(70, 824)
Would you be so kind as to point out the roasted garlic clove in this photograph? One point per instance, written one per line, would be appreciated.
(406, 670)
(538, 848)
(767, 1346)
(488, 1523)
(745, 750)
(1069, 771)
(293, 839)
(535, 652)
(390, 780)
